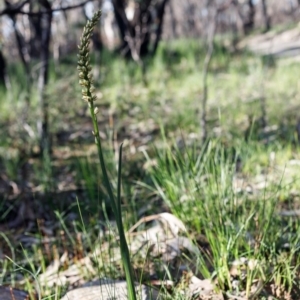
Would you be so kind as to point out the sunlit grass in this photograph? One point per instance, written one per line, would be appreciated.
(199, 190)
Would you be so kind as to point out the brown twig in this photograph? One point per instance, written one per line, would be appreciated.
(17, 9)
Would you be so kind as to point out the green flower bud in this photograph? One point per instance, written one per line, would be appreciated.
(83, 51)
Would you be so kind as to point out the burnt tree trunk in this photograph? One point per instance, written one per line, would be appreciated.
(21, 50)
(36, 29)
(43, 122)
(160, 21)
(137, 32)
(267, 19)
(123, 25)
(249, 24)
(2, 70)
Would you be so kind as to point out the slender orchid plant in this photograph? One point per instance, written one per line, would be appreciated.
(88, 95)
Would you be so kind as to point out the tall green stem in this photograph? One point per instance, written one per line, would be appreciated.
(86, 81)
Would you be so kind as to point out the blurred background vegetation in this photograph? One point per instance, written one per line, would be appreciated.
(167, 72)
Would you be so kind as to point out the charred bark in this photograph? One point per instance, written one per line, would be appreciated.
(43, 122)
(21, 48)
(267, 19)
(142, 32)
(249, 24)
(160, 21)
(2, 70)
